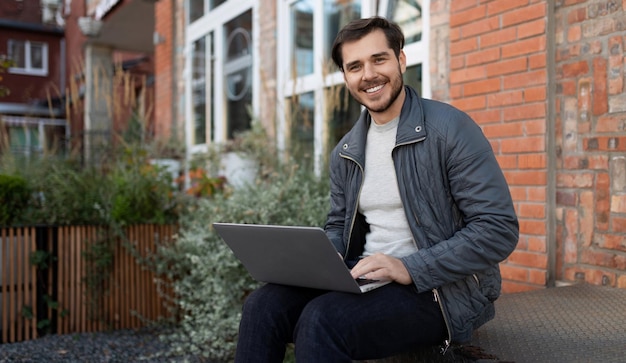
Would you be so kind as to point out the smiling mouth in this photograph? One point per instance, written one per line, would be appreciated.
(374, 89)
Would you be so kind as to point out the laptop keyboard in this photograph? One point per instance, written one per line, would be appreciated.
(362, 281)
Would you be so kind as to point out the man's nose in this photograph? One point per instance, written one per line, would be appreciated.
(368, 71)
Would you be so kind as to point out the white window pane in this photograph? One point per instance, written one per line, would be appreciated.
(408, 15)
(337, 14)
(199, 91)
(413, 77)
(344, 112)
(302, 118)
(238, 73)
(17, 52)
(37, 55)
(196, 10)
(215, 3)
(301, 14)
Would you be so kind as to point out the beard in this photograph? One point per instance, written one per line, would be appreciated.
(382, 105)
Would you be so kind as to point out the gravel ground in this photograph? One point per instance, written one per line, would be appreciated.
(114, 346)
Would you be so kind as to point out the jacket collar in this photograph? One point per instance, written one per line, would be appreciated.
(410, 127)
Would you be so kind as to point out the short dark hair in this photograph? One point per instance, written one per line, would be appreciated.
(359, 28)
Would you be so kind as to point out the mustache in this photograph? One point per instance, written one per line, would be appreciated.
(372, 84)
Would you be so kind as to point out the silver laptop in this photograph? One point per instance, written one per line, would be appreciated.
(289, 255)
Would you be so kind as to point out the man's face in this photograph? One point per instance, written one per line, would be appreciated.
(373, 75)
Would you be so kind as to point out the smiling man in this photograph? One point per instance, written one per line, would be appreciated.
(417, 197)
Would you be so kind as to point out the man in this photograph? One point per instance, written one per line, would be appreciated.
(417, 197)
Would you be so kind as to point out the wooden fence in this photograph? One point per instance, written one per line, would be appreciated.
(37, 299)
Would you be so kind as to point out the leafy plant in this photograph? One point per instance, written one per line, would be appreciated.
(125, 190)
(98, 257)
(14, 195)
(43, 260)
(5, 64)
(207, 284)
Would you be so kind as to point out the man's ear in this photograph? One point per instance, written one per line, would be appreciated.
(402, 60)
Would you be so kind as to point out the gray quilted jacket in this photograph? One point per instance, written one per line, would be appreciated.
(456, 200)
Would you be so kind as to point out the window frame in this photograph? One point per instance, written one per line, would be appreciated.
(28, 68)
(215, 113)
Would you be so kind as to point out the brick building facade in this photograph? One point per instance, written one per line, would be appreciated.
(544, 79)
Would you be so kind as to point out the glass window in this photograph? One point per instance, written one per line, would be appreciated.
(302, 118)
(413, 77)
(408, 15)
(336, 15)
(318, 110)
(195, 10)
(301, 14)
(343, 113)
(198, 81)
(24, 140)
(31, 137)
(238, 73)
(215, 3)
(28, 57)
(17, 53)
(220, 102)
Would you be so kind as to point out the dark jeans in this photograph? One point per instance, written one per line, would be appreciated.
(336, 326)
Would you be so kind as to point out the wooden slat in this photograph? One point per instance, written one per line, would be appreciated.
(132, 281)
(12, 266)
(131, 288)
(92, 313)
(19, 283)
(28, 301)
(145, 278)
(81, 285)
(124, 281)
(33, 283)
(154, 303)
(64, 245)
(6, 293)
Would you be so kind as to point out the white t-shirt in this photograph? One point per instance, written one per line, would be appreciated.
(380, 200)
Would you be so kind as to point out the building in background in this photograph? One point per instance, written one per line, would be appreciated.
(83, 74)
(545, 80)
(32, 115)
(111, 70)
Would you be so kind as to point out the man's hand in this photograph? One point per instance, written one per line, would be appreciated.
(382, 267)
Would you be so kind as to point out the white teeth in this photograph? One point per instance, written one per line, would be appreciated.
(374, 89)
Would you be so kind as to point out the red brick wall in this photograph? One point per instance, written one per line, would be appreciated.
(163, 56)
(498, 74)
(591, 139)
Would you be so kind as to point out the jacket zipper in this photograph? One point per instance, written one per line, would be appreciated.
(476, 279)
(446, 342)
(355, 206)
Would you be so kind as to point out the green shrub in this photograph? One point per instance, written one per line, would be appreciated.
(14, 195)
(122, 191)
(209, 284)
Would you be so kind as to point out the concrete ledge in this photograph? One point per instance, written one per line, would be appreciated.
(578, 323)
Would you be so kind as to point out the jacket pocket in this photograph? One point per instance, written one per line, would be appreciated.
(490, 283)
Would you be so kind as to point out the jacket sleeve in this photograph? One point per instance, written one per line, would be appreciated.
(485, 228)
(335, 223)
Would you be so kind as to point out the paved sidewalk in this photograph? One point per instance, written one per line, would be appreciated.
(578, 323)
